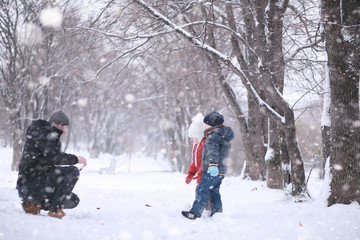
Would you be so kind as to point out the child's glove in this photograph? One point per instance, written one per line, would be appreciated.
(189, 178)
(198, 176)
(213, 170)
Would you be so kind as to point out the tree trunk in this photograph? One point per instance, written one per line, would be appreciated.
(249, 140)
(297, 164)
(274, 58)
(326, 124)
(326, 146)
(256, 169)
(285, 160)
(275, 175)
(17, 136)
(255, 165)
(17, 151)
(342, 46)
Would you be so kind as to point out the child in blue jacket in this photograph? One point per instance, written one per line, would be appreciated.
(215, 152)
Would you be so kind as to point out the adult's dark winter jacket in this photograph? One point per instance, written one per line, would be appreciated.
(217, 147)
(41, 153)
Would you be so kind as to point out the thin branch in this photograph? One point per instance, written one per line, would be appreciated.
(307, 92)
(305, 47)
(224, 58)
(101, 13)
(118, 57)
(121, 37)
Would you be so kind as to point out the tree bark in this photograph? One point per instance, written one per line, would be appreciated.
(255, 164)
(17, 136)
(285, 160)
(275, 177)
(342, 19)
(326, 124)
(274, 61)
(256, 120)
(326, 146)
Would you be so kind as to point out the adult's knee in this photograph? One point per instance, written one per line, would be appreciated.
(71, 171)
(71, 201)
(75, 171)
(67, 174)
(73, 174)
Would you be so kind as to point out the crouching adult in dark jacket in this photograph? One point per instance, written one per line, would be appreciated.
(215, 152)
(44, 182)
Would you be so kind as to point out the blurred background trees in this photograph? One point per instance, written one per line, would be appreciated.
(127, 87)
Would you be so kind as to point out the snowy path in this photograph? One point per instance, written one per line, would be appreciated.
(147, 205)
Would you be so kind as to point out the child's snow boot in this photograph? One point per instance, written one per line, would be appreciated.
(189, 215)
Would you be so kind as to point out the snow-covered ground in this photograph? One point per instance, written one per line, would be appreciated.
(144, 200)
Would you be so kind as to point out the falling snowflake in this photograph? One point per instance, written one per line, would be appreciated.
(29, 34)
(338, 167)
(82, 102)
(51, 17)
(129, 97)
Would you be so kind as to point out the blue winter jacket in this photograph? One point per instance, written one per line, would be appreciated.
(217, 147)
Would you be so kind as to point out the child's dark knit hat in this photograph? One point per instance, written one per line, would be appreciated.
(214, 119)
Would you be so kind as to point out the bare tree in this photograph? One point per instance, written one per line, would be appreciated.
(15, 69)
(280, 112)
(118, 69)
(38, 65)
(156, 78)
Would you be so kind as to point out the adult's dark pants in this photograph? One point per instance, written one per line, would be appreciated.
(54, 190)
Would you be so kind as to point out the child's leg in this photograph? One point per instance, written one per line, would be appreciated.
(215, 197)
(203, 192)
